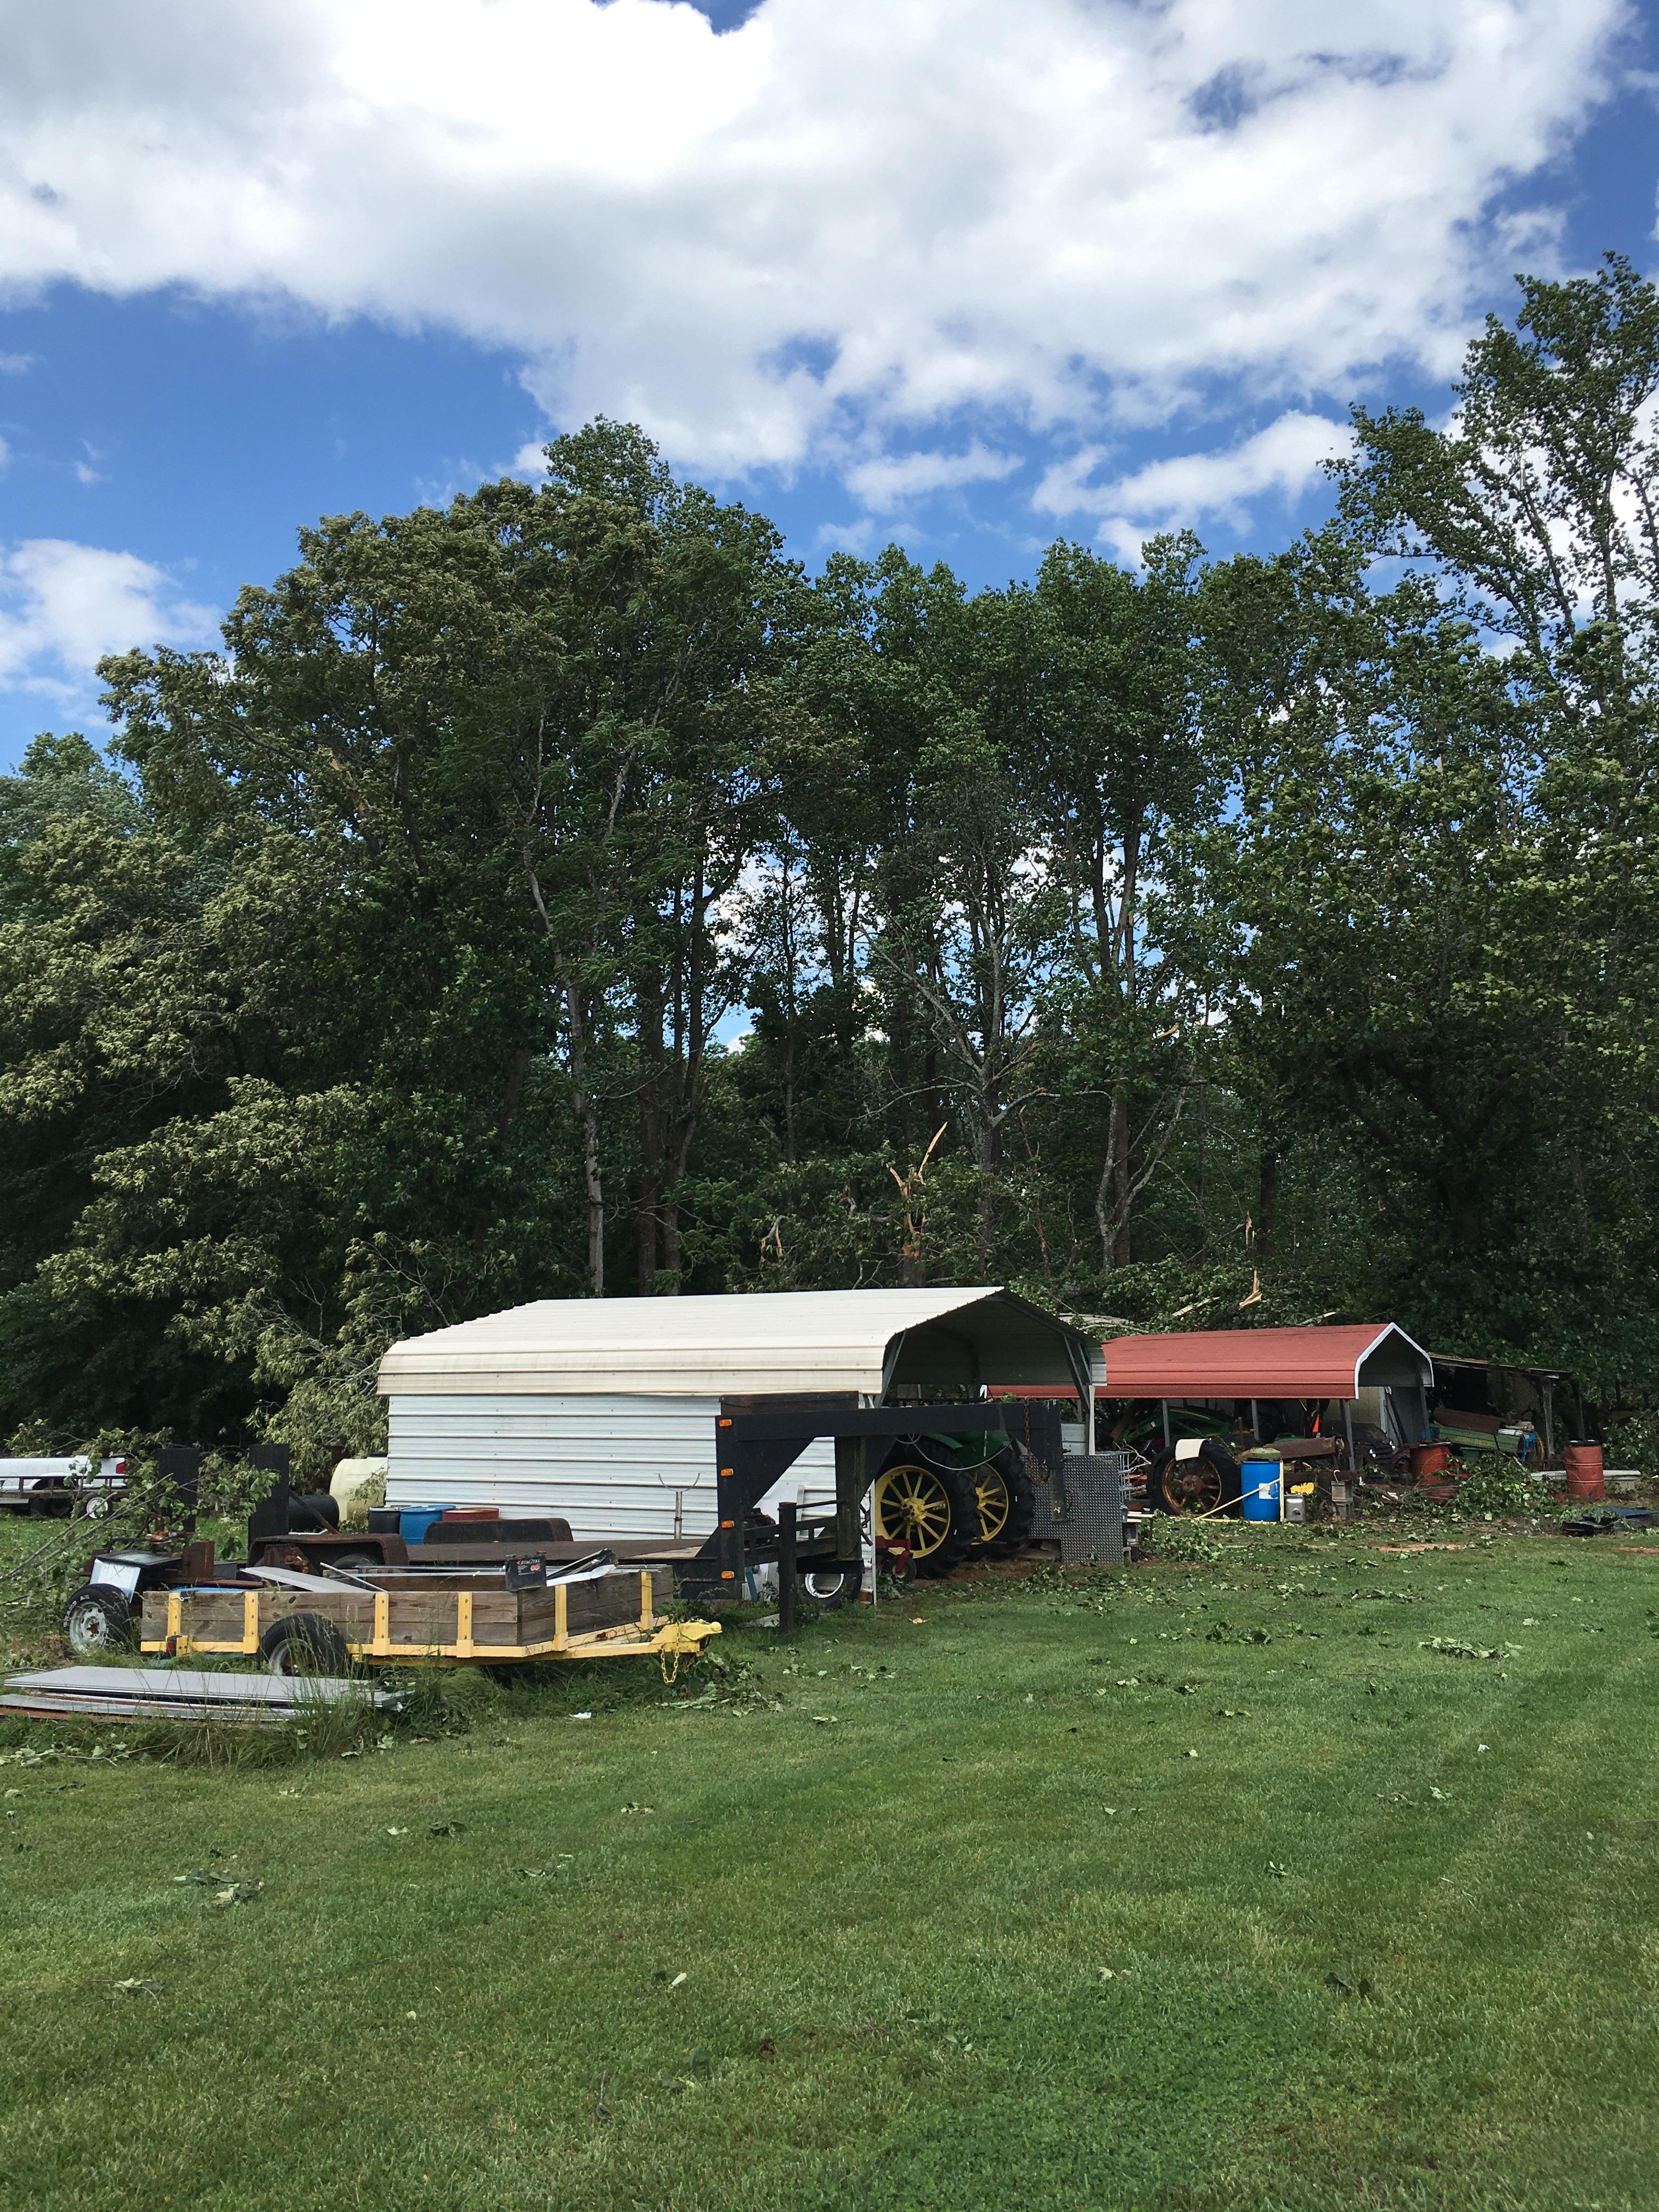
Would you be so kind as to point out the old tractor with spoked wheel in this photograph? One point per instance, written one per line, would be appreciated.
(1194, 1475)
(946, 1499)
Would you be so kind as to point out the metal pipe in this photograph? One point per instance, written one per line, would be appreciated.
(786, 1512)
(1165, 1404)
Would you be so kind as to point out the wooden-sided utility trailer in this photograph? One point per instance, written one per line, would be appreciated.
(310, 1624)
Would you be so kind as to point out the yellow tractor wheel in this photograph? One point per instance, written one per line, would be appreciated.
(931, 1509)
(991, 1496)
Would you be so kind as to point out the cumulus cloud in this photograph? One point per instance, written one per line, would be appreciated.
(1188, 489)
(886, 483)
(833, 234)
(63, 606)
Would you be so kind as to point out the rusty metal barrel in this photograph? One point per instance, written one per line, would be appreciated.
(1583, 1465)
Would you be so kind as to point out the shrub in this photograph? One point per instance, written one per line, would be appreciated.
(1502, 1490)
(1635, 1442)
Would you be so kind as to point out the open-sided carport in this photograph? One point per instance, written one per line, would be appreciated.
(1249, 1365)
(669, 1421)
(1246, 1368)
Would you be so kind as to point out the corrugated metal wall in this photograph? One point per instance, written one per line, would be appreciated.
(611, 1466)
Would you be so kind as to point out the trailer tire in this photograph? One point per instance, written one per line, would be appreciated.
(97, 1620)
(1215, 1481)
(832, 1589)
(304, 1643)
(352, 1562)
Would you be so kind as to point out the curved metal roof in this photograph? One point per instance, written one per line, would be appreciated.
(763, 1343)
(1265, 1363)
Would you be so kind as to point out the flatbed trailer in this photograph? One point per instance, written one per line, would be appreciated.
(418, 1618)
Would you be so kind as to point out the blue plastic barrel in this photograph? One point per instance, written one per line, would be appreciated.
(415, 1520)
(1262, 1477)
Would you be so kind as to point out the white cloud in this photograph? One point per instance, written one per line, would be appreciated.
(16, 364)
(834, 231)
(1186, 489)
(63, 606)
(887, 483)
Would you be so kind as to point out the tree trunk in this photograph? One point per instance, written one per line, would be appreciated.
(584, 1103)
(1122, 1197)
(517, 1069)
(1266, 1204)
(648, 1202)
(1112, 1195)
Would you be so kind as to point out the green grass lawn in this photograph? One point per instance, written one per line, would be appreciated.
(1188, 1887)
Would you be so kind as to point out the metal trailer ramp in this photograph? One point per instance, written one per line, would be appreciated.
(179, 1693)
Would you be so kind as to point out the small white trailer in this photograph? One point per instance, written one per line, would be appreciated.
(50, 1485)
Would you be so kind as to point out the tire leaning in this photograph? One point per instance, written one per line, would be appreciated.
(1216, 1457)
(97, 1620)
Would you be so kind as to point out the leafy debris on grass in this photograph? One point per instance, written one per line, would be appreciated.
(1452, 1647)
(1360, 1987)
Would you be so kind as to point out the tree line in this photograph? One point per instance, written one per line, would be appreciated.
(563, 893)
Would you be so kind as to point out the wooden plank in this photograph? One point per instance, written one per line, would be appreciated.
(215, 1616)
(422, 1617)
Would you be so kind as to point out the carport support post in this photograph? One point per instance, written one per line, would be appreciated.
(1348, 1422)
(787, 1511)
(1165, 1404)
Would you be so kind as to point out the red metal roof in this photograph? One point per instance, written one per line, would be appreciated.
(1262, 1363)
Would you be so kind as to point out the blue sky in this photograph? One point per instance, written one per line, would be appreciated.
(961, 274)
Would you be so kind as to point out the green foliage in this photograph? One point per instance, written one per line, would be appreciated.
(1502, 1489)
(1634, 1441)
(1190, 1542)
(558, 893)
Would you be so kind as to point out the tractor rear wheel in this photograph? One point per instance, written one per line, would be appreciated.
(1207, 1482)
(932, 1509)
(1007, 1503)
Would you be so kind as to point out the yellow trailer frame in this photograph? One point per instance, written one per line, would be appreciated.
(649, 1636)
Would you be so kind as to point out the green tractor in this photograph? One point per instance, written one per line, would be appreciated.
(945, 1499)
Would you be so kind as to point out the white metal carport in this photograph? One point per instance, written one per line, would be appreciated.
(603, 1411)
